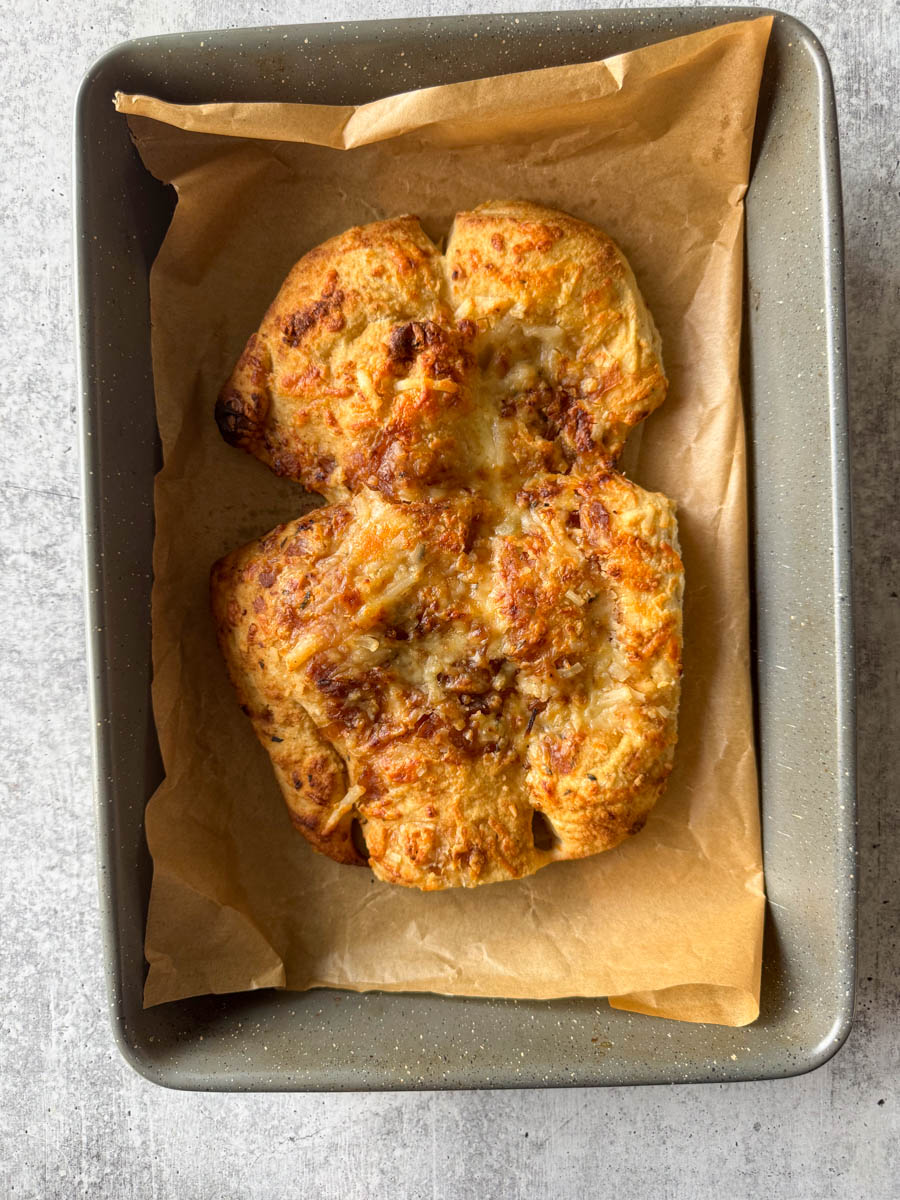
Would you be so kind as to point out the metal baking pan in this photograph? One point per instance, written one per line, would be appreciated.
(795, 393)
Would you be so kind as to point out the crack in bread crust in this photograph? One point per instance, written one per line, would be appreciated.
(484, 622)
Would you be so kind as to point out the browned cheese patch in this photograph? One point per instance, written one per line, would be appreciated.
(467, 665)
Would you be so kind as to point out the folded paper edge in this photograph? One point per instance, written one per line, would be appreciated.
(695, 1003)
(345, 127)
(269, 972)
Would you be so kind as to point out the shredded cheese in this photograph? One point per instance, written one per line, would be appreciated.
(304, 648)
(438, 385)
(340, 810)
(570, 672)
(544, 333)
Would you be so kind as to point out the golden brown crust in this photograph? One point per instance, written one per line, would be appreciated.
(315, 393)
(382, 363)
(468, 665)
(485, 624)
(563, 334)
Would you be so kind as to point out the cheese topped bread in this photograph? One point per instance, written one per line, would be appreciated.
(466, 665)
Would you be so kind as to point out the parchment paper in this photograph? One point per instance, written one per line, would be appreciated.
(652, 146)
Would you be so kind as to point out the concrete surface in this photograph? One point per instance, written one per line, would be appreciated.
(74, 1120)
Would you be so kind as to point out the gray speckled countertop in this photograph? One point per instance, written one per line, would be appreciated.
(74, 1119)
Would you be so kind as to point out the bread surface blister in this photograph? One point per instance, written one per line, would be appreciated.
(466, 665)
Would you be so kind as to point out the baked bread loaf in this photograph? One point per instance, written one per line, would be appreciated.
(467, 664)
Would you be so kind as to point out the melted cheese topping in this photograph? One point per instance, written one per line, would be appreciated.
(485, 623)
